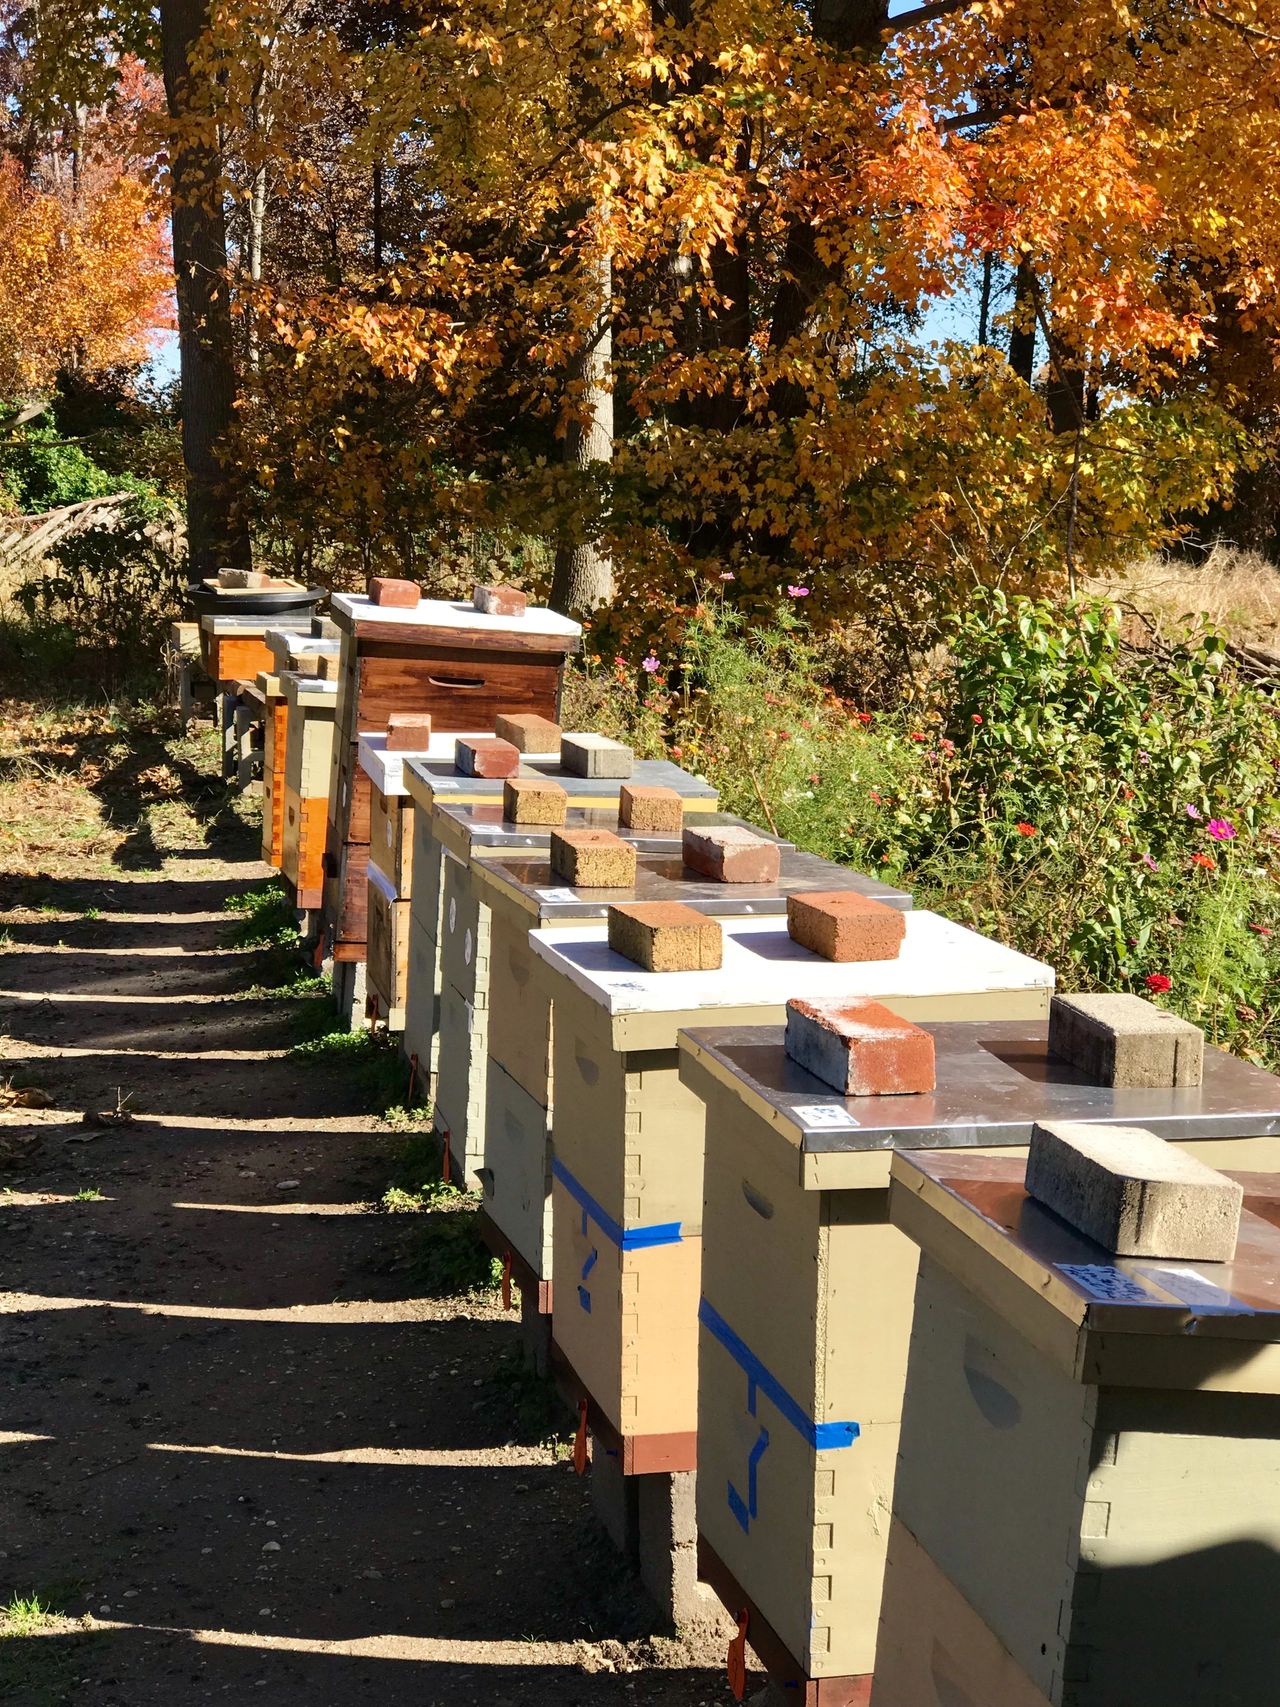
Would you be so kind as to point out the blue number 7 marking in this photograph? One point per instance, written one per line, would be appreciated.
(584, 1296)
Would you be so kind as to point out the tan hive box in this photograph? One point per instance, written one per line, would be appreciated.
(628, 1136)
(234, 648)
(812, 1333)
(311, 705)
(289, 651)
(461, 1086)
(444, 658)
(517, 1144)
(1087, 1506)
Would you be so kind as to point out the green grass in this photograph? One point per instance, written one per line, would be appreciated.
(265, 919)
(450, 1256)
(370, 1062)
(36, 1668)
(88, 1194)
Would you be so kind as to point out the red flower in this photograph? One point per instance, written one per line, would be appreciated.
(917, 737)
(864, 717)
(1205, 861)
(1157, 982)
(1262, 930)
(1025, 829)
(977, 717)
(677, 752)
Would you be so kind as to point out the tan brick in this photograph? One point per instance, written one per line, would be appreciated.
(666, 936)
(534, 800)
(1133, 1193)
(654, 811)
(731, 855)
(860, 1048)
(528, 732)
(593, 859)
(841, 925)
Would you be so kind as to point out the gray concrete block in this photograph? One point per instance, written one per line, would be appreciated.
(595, 755)
(668, 1544)
(1133, 1193)
(1122, 1040)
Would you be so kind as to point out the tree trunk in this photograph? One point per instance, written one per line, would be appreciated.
(583, 577)
(215, 536)
(1022, 336)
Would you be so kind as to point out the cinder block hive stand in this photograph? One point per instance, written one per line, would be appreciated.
(802, 1353)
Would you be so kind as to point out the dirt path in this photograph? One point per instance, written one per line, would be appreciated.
(240, 1460)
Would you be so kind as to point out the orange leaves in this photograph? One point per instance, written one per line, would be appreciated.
(80, 286)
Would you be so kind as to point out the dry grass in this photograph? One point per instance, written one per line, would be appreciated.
(1234, 590)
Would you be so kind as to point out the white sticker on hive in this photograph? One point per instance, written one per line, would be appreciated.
(556, 895)
(1108, 1285)
(389, 832)
(827, 1114)
(453, 912)
(466, 949)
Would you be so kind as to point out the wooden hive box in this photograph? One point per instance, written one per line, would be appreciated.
(807, 1343)
(234, 648)
(461, 815)
(388, 967)
(442, 658)
(628, 1135)
(1087, 1504)
(309, 734)
(520, 1027)
(295, 652)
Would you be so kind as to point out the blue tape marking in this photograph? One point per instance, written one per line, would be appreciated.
(822, 1436)
(584, 1296)
(626, 1238)
(745, 1510)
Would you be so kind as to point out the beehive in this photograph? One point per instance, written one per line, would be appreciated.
(463, 915)
(628, 1136)
(458, 665)
(310, 707)
(1087, 1504)
(804, 1348)
(289, 651)
(520, 1016)
(234, 648)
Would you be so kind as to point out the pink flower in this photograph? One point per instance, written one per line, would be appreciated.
(1151, 864)
(650, 663)
(1221, 829)
(1262, 930)
(1158, 983)
(727, 575)
(1192, 811)
(797, 592)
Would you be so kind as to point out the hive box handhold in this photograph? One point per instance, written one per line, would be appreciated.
(841, 925)
(666, 936)
(593, 859)
(408, 732)
(499, 601)
(531, 734)
(652, 811)
(595, 755)
(1122, 1040)
(1133, 1193)
(486, 756)
(402, 595)
(732, 855)
(534, 800)
(860, 1048)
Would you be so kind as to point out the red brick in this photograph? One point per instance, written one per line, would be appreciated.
(860, 1048)
(666, 936)
(658, 811)
(532, 734)
(408, 732)
(404, 595)
(486, 756)
(731, 855)
(840, 925)
(500, 601)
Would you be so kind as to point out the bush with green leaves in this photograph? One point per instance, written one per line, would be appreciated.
(1107, 808)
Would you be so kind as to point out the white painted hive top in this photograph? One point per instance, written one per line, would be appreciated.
(762, 966)
(452, 613)
(386, 770)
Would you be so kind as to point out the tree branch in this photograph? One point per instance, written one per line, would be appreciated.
(926, 14)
